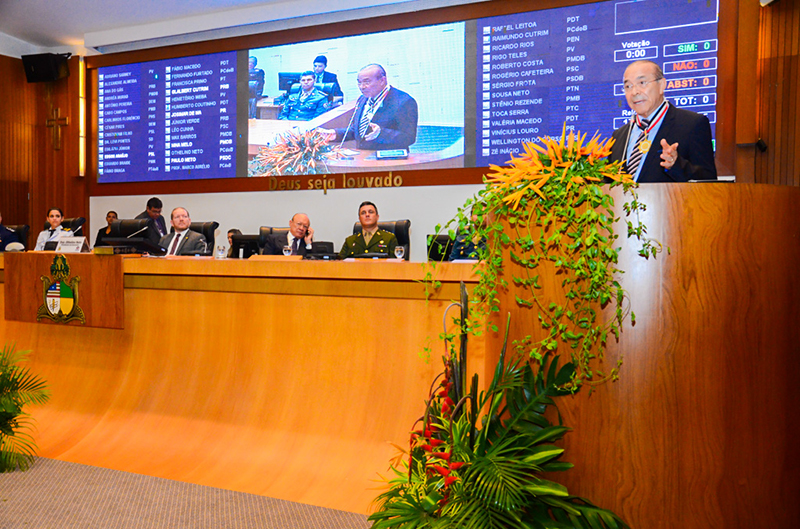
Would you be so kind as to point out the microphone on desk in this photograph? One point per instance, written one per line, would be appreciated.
(137, 232)
(352, 118)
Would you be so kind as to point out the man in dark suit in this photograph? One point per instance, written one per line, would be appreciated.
(156, 227)
(371, 239)
(661, 143)
(384, 118)
(183, 241)
(255, 86)
(299, 238)
(321, 76)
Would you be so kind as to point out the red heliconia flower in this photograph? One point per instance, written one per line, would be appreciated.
(436, 442)
(455, 465)
(449, 480)
(442, 455)
(441, 470)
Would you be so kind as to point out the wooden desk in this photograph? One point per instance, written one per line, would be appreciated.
(276, 377)
(267, 109)
(97, 285)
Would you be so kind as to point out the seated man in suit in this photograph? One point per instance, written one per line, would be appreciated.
(321, 76)
(307, 103)
(299, 238)
(662, 143)
(157, 226)
(255, 86)
(384, 118)
(371, 239)
(7, 236)
(183, 241)
(55, 217)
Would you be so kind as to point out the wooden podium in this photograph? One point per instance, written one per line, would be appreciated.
(89, 292)
(702, 428)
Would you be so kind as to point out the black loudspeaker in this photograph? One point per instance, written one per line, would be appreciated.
(44, 67)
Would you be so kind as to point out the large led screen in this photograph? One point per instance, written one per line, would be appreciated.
(464, 94)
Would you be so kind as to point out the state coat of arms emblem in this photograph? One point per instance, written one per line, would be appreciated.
(60, 294)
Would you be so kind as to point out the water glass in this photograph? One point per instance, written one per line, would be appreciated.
(221, 254)
(287, 250)
(399, 251)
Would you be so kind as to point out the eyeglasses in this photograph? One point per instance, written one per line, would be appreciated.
(641, 85)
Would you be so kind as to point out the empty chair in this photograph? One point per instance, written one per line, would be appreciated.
(208, 230)
(439, 247)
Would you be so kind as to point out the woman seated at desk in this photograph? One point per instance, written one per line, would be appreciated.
(54, 216)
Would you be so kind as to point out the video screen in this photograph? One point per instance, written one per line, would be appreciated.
(167, 120)
(463, 94)
(542, 69)
(408, 110)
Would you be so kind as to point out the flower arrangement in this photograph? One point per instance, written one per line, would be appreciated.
(550, 214)
(294, 153)
(477, 458)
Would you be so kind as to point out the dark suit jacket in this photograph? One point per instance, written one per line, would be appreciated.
(695, 160)
(328, 77)
(397, 117)
(152, 232)
(275, 243)
(382, 242)
(192, 244)
(101, 234)
(7, 237)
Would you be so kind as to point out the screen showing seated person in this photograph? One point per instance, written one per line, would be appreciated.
(462, 94)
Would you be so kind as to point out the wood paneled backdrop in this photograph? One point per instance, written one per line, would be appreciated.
(34, 177)
(778, 99)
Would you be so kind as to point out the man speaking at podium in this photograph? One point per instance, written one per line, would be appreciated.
(384, 118)
(661, 143)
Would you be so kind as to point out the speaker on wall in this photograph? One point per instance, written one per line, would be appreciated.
(44, 67)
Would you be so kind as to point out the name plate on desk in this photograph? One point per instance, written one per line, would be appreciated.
(72, 245)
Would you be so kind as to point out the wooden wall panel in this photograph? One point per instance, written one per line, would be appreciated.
(17, 140)
(778, 78)
(34, 176)
(701, 428)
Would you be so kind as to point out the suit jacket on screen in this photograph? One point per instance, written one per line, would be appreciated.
(397, 118)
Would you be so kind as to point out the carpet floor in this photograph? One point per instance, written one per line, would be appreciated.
(60, 495)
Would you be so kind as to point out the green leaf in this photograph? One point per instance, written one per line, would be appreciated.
(544, 487)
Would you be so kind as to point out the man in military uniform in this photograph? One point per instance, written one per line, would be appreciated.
(6, 236)
(371, 239)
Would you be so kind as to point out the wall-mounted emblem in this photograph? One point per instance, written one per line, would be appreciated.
(60, 294)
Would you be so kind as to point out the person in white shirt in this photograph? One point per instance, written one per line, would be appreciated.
(55, 217)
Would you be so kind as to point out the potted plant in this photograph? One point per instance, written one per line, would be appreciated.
(18, 388)
(544, 227)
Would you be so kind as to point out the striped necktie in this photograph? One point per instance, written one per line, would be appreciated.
(636, 155)
(174, 243)
(365, 118)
